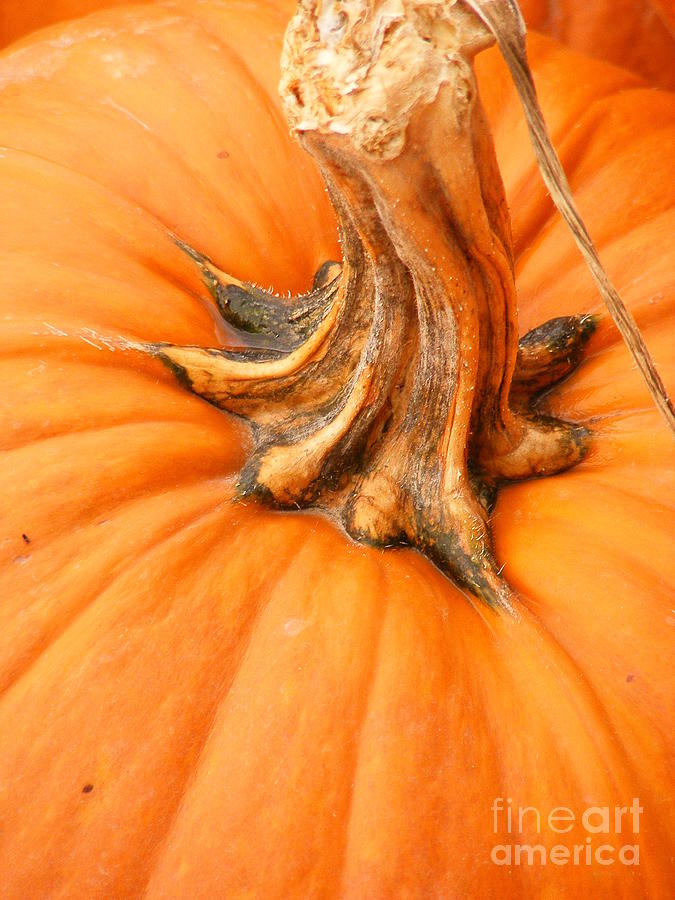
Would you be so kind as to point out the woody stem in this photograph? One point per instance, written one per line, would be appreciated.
(396, 398)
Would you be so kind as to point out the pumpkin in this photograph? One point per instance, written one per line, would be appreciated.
(203, 698)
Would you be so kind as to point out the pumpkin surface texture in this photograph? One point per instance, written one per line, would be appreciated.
(204, 698)
(634, 34)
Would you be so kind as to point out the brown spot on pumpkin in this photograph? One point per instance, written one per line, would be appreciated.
(630, 678)
(25, 538)
(223, 154)
(88, 788)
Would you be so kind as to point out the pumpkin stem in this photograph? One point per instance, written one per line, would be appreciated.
(395, 396)
(270, 322)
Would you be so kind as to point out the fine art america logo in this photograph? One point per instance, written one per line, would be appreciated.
(590, 846)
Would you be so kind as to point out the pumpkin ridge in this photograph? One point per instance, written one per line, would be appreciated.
(637, 563)
(169, 823)
(125, 610)
(633, 495)
(356, 737)
(130, 204)
(276, 211)
(182, 286)
(373, 733)
(295, 237)
(90, 429)
(101, 428)
(71, 509)
(571, 146)
(598, 717)
(574, 151)
(569, 143)
(192, 173)
(131, 503)
(658, 826)
(106, 583)
(273, 594)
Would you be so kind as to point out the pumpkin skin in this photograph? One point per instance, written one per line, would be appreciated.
(635, 34)
(203, 699)
(18, 19)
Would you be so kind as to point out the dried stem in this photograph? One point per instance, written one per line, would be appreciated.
(395, 396)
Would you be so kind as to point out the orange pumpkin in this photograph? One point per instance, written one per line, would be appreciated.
(207, 699)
